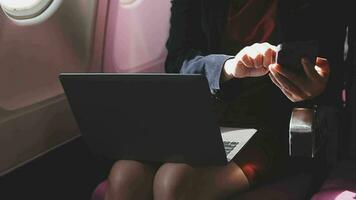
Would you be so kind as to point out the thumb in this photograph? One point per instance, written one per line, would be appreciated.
(322, 67)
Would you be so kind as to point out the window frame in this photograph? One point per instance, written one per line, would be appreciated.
(25, 11)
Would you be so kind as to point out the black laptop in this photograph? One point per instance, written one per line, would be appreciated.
(151, 117)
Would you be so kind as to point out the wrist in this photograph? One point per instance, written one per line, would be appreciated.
(226, 73)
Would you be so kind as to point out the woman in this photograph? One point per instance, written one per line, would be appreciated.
(233, 44)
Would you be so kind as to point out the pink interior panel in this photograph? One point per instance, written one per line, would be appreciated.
(99, 37)
(136, 36)
(34, 114)
(33, 56)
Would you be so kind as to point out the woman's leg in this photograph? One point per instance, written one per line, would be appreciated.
(173, 181)
(180, 181)
(219, 182)
(130, 180)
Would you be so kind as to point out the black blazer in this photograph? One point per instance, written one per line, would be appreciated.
(197, 27)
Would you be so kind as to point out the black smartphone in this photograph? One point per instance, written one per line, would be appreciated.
(289, 54)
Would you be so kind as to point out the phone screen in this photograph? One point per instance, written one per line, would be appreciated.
(289, 54)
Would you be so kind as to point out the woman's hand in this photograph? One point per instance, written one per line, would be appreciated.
(301, 87)
(251, 61)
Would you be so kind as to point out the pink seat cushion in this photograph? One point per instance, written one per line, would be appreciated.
(99, 193)
(341, 184)
(294, 187)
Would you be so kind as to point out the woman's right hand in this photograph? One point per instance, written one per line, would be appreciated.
(251, 61)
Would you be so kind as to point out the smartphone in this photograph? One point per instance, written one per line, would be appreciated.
(289, 54)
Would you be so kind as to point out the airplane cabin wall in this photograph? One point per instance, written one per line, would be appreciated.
(136, 34)
(34, 113)
(82, 36)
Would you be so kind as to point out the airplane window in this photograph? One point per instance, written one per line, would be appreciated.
(29, 11)
(129, 3)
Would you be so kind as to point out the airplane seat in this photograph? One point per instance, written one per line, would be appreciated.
(293, 184)
(307, 169)
(303, 175)
(341, 182)
(298, 179)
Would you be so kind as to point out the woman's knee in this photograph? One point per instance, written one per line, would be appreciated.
(221, 182)
(127, 176)
(127, 171)
(172, 181)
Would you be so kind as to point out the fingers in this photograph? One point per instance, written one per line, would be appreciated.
(297, 87)
(269, 57)
(256, 72)
(286, 86)
(322, 67)
(285, 92)
(274, 80)
(264, 54)
(309, 69)
(292, 77)
(258, 60)
(289, 95)
(259, 56)
(247, 61)
(253, 61)
(292, 97)
(253, 55)
(283, 83)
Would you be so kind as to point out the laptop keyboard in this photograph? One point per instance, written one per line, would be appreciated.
(229, 146)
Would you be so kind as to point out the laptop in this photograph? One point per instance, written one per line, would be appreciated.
(151, 117)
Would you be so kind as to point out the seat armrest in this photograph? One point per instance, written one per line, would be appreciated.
(310, 129)
(302, 132)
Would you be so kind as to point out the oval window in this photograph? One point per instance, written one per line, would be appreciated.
(129, 3)
(29, 11)
(24, 9)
